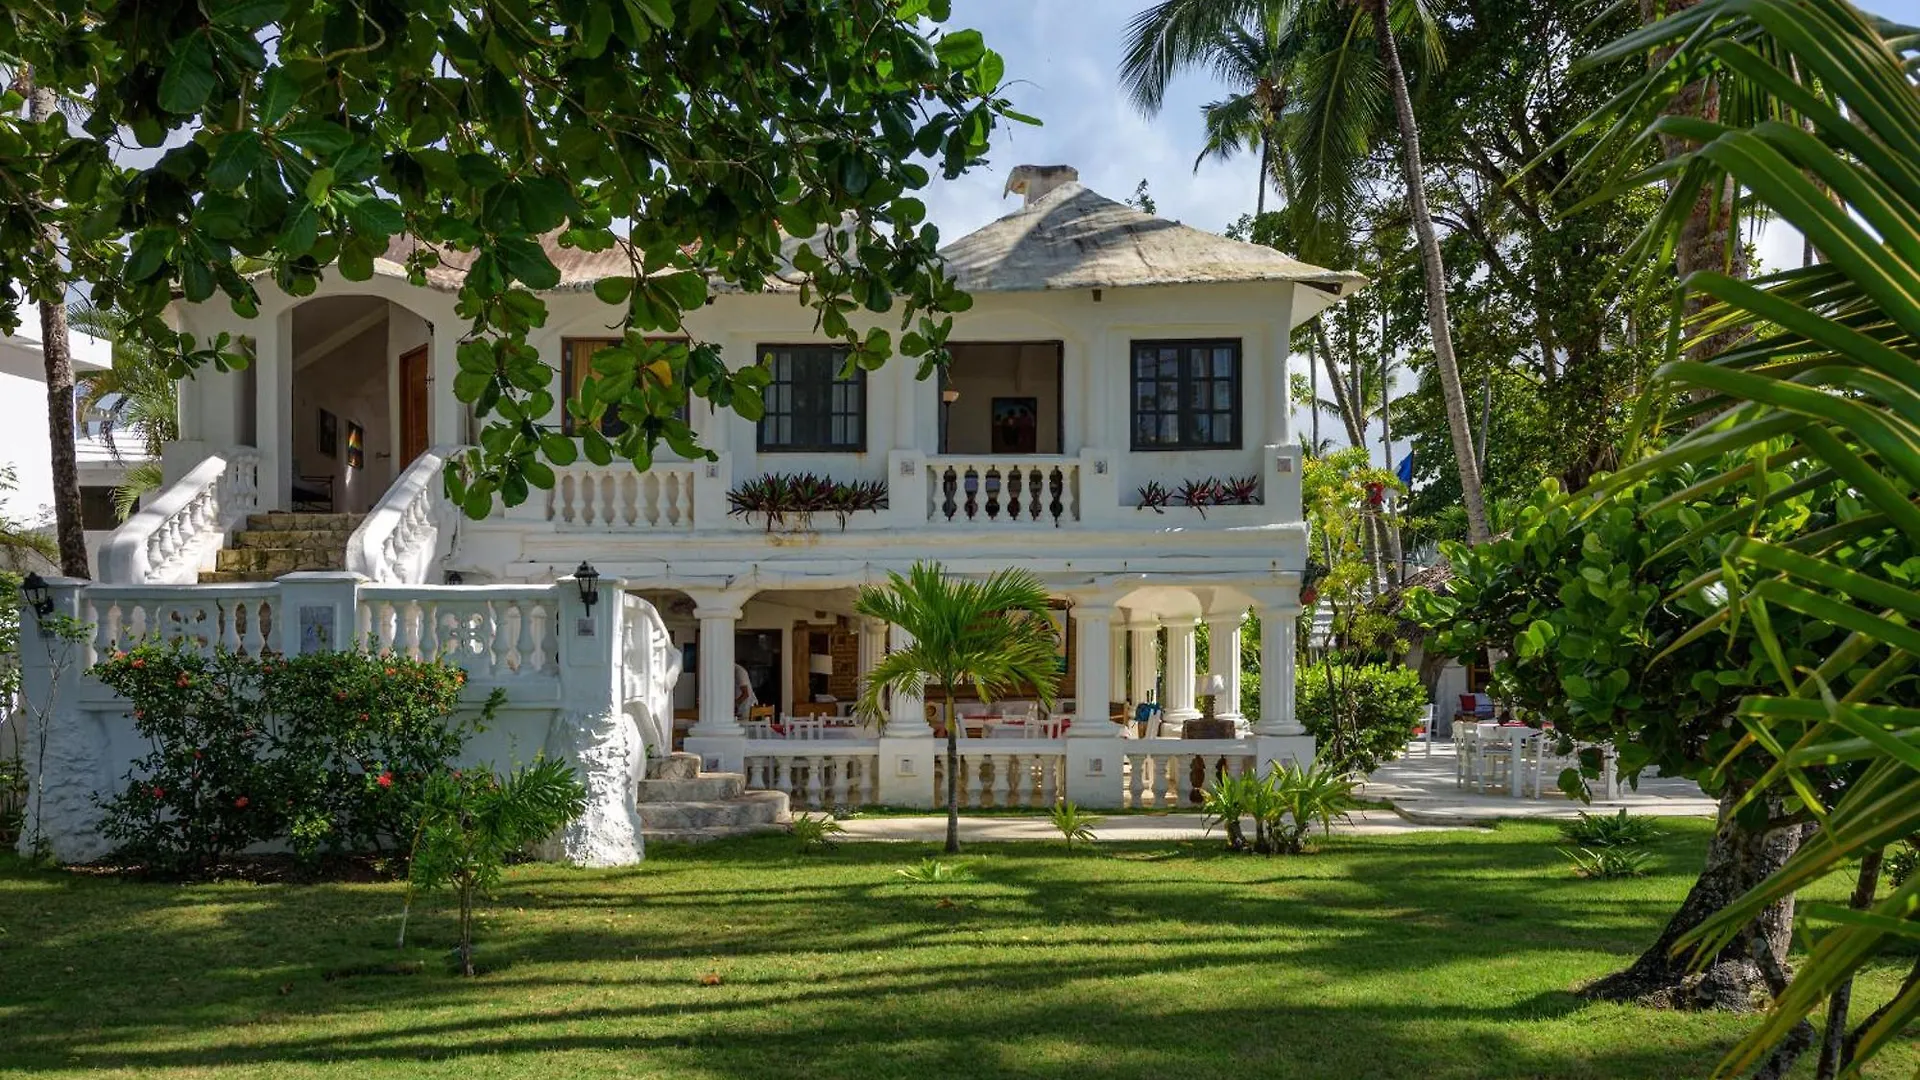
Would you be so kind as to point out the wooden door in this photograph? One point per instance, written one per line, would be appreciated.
(413, 405)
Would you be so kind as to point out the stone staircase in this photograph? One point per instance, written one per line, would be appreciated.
(281, 543)
(680, 804)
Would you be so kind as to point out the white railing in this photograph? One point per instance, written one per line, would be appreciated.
(822, 778)
(410, 531)
(1169, 774)
(990, 491)
(1029, 773)
(649, 667)
(235, 618)
(493, 632)
(616, 497)
(171, 539)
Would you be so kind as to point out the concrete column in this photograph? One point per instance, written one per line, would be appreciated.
(1093, 643)
(1223, 654)
(908, 715)
(446, 416)
(717, 612)
(1180, 665)
(316, 611)
(873, 649)
(72, 767)
(1277, 670)
(273, 408)
(1145, 647)
(1117, 659)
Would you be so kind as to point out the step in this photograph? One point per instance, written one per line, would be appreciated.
(281, 519)
(708, 787)
(675, 766)
(279, 560)
(753, 808)
(293, 538)
(231, 577)
(703, 836)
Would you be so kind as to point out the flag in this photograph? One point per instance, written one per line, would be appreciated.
(1406, 470)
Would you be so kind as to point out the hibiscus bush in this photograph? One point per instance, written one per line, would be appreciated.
(325, 752)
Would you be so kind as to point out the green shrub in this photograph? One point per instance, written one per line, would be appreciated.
(1227, 801)
(327, 751)
(931, 871)
(1901, 861)
(815, 833)
(1610, 830)
(1284, 805)
(1365, 717)
(469, 822)
(1073, 823)
(1609, 862)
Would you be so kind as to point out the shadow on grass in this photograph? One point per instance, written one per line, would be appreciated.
(1435, 955)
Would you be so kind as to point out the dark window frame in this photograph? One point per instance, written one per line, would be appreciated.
(610, 423)
(1189, 407)
(829, 359)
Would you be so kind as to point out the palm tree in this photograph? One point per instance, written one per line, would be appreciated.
(1255, 60)
(993, 633)
(136, 396)
(1335, 91)
(21, 544)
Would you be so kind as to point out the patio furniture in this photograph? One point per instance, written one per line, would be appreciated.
(1466, 745)
(1426, 730)
(1499, 750)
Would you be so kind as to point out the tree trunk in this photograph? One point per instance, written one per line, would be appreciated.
(1833, 1043)
(1737, 860)
(953, 776)
(1349, 412)
(1266, 158)
(1313, 392)
(56, 352)
(1438, 320)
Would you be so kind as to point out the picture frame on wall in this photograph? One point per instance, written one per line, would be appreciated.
(1016, 425)
(356, 446)
(327, 430)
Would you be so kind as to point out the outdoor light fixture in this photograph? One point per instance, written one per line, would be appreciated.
(33, 589)
(454, 578)
(949, 396)
(589, 580)
(1214, 686)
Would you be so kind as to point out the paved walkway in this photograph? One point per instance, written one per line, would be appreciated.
(1420, 786)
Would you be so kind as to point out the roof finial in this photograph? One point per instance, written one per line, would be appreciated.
(1034, 181)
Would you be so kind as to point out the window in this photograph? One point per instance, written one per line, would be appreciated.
(576, 363)
(809, 406)
(96, 507)
(1186, 395)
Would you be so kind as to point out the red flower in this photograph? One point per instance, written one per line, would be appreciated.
(363, 718)
(119, 654)
(139, 714)
(241, 802)
(385, 780)
(391, 671)
(159, 793)
(183, 681)
(340, 695)
(138, 662)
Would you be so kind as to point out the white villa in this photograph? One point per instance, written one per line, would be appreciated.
(1106, 351)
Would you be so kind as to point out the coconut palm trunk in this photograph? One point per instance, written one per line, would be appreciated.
(1434, 271)
(953, 776)
(57, 355)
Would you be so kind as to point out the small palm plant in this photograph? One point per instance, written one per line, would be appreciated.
(1226, 801)
(993, 633)
(1295, 797)
(1074, 823)
(471, 821)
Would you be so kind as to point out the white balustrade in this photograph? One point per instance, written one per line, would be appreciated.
(172, 538)
(617, 497)
(235, 618)
(822, 777)
(1170, 774)
(493, 632)
(1028, 773)
(410, 531)
(989, 491)
(650, 666)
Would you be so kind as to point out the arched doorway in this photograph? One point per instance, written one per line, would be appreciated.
(358, 400)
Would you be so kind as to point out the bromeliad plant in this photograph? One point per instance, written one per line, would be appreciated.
(1284, 805)
(1200, 494)
(778, 497)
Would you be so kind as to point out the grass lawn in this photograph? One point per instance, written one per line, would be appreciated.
(1443, 954)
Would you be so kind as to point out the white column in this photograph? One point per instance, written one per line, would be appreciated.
(1093, 644)
(446, 416)
(1117, 658)
(273, 408)
(1146, 659)
(1223, 656)
(872, 649)
(908, 715)
(1277, 623)
(1180, 665)
(717, 613)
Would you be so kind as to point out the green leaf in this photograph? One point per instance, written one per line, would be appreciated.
(248, 14)
(188, 79)
(523, 260)
(613, 290)
(234, 160)
(321, 138)
(278, 94)
(961, 49)
(559, 449)
(1576, 686)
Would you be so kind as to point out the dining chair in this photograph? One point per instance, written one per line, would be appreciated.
(1466, 745)
(1426, 729)
(1495, 764)
(1020, 710)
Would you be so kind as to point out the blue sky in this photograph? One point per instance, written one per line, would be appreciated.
(1067, 51)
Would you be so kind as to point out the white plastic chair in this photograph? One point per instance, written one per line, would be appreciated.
(1426, 729)
(1466, 749)
(1020, 710)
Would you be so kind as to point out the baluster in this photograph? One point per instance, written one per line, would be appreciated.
(230, 616)
(783, 774)
(102, 632)
(754, 766)
(1170, 781)
(564, 493)
(675, 513)
(816, 782)
(948, 485)
(842, 786)
(1013, 493)
(416, 616)
(429, 629)
(549, 636)
(992, 484)
(523, 647)
(498, 646)
(1012, 785)
(976, 772)
(363, 622)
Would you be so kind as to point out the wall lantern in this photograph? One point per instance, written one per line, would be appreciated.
(589, 581)
(33, 590)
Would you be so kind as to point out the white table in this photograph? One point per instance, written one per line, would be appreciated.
(1515, 736)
